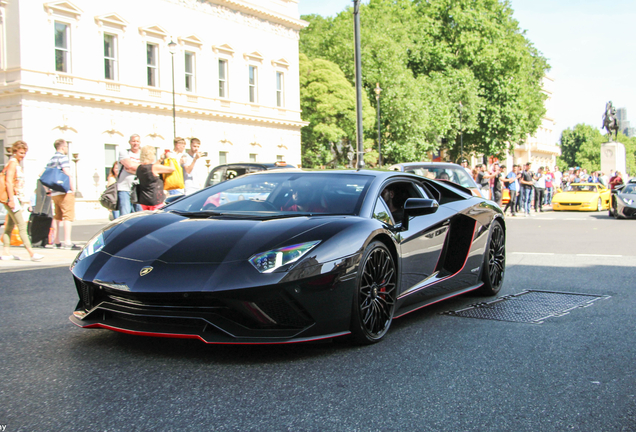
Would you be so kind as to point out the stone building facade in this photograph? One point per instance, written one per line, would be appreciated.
(95, 73)
(541, 149)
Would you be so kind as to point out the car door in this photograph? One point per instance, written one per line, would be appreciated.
(422, 243)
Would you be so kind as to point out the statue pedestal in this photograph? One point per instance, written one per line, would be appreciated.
(613, 158)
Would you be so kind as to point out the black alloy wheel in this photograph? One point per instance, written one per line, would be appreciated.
(374, 300)
(494, 267)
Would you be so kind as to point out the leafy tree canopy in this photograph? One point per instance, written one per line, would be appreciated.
(581, 146)
(328, 103)
(428, 56)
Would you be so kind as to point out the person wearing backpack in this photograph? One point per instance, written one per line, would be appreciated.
(64, 202)
(129, 161)
(13, 198)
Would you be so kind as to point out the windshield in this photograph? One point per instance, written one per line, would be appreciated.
(629, 189)
(455, 175)
(581, 188)
(279, 194)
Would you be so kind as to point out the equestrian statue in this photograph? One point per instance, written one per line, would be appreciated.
(610, 123)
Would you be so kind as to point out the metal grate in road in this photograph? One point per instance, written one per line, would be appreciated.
(529, 306)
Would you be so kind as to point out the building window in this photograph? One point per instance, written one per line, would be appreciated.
(62, 48)
(110, 157)
(223, 78)
(222, 158)
(280, 86)
(253, 80)
(252, 157)
(110, 56)
(151, 64)
(189, 71)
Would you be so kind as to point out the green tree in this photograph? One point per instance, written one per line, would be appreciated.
(483, 37)
(430, 55)
(581, 146)
(328, 103)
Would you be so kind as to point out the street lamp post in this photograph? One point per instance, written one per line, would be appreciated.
(461, 132)
(76, 159)
(378, 90)
(172, 46)
(358, 67)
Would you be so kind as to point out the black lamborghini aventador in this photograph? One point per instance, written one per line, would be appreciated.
(290, 256)
(623, 201)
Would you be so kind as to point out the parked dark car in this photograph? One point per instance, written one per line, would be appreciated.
(225, 172)
(623, 201)
(441, 171)
(290, 256)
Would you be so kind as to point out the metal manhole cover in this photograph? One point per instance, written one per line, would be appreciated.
(528, 306)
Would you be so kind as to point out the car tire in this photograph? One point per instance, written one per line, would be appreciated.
(493, 269)
(375, 295)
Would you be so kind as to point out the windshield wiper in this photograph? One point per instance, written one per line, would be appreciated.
(196, 214)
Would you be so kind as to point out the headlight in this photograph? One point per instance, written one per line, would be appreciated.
(628, 201)
(93, 246)
(267, 262)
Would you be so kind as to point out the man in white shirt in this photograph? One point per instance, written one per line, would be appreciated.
(64, 202)
(539, 190)
(558, 178)
(192, 171)
(129, 161)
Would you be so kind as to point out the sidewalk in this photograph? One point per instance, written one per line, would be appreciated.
(52, 258)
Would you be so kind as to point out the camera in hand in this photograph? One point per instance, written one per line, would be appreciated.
(203, 154)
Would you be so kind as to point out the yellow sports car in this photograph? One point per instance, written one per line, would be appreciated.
(583, 197)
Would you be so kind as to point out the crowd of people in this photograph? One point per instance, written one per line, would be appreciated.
(140, 165)
(528, 189)
(135, 166)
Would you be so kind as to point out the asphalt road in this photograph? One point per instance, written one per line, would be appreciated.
(434, 372)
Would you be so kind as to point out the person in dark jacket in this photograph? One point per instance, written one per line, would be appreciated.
(150, 192)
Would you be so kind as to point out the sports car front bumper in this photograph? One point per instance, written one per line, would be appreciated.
(315, 307)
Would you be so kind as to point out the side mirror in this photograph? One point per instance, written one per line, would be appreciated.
(420, 207)
(417, 207)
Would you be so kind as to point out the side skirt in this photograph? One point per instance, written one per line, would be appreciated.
(438, 299)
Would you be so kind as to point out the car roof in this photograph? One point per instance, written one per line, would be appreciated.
(265, 165)
(374, 173)
(426, 164)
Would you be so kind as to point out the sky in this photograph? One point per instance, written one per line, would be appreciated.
(590, 46)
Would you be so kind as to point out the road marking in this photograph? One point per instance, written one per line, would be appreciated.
(532, 253)
(581, 255)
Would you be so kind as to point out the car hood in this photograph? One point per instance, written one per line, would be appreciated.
(173, 238)
(580, 196)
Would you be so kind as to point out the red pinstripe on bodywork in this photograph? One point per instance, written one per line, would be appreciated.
(190, 336)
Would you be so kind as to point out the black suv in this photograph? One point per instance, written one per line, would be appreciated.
(225, 172)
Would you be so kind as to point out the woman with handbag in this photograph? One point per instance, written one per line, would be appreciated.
(112, 178)
(15, 199)
(150, 189)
